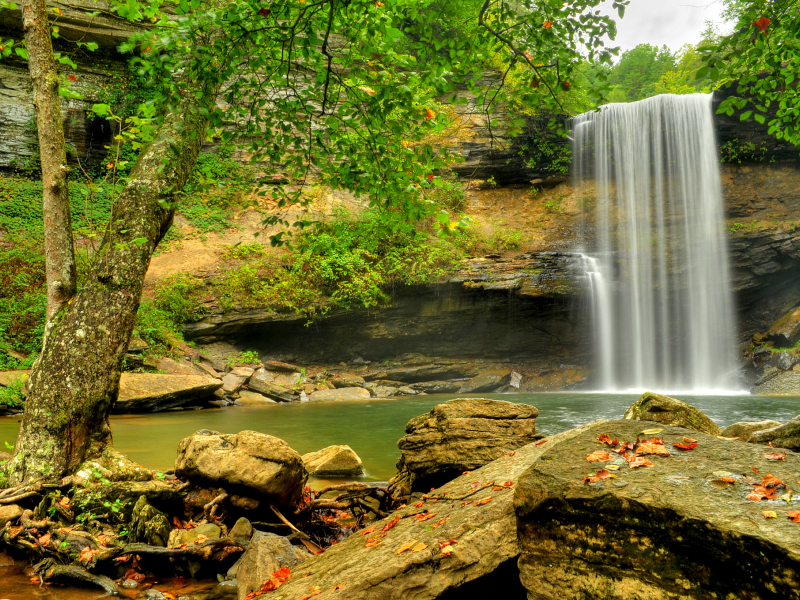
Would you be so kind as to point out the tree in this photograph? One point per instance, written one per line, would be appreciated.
(761, 58)
(59, 250)
(639, 69)
(343, 91)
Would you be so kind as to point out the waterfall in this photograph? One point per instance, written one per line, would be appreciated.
(657, 261)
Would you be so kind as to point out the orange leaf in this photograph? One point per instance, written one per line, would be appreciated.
(429, 114)
(282, 574)
(87, 554)
(794, 515)
(769, 480)
(769, 514)
(419, 504)
(543, 441)
(419, 547)
(762, 24)
(512, 453)
(372, 542)
(598, 456)
(368, 530)
(440, 522)
(547, 24)
(405, 546)
(640, 462)
(200, 539)
(391, 524)
(64, 502)
(497, 488)
(775, 456)
(45, 539)
(606, 439)
(484, 501)
(508, 484)
(424, 516)
(652, 448)
(338, 587)
(684, 446)
(728, 479)
(755, 470)
(689, 441)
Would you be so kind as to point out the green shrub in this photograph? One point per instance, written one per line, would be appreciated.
(179, 296)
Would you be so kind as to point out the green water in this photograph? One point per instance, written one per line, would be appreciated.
(372, 427)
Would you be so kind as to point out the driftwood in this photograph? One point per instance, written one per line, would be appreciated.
(312, 547)
(352, 495)
(49, 570)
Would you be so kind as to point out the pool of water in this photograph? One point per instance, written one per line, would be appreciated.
(372, 427)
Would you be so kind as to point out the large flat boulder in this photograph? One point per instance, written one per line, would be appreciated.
(671, 411)
(744, 430)
(780, 436)
(347, 393)
(459, 435)
(683, 528)
(333, 461)
(462, 531)
(151, 392)
(263, 464)
(265, 382)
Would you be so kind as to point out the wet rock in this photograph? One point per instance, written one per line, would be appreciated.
(350, 393)
(781, 436)
(432, 372)
(406, 391)
(670, 411)
(9, 513)
(263, 382)
(148, 392)
(346, 380)
(242, 529)
(487, 381)
(745, 429)
(781, 383)
(148, 524)
(381, 391)
(785, 332)
(333, 461)
(266, 554)
(663, 532)
(459, 435)
(485, 535)
(251, 398)
(262, 463)
(784, 361)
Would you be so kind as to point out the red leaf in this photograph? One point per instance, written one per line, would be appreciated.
(606, 439)
(680, 446)
(769, 480)
(539, 443)
(755, 470)
(762, 24)
(794, 515)
(391, 523)
(72, 77)
(775, 456)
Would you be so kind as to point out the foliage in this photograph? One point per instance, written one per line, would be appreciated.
(158, 328)
(245, 357)
(178, 295)
(761, 56)
(638, 70)
(11, 395)
(734, 151)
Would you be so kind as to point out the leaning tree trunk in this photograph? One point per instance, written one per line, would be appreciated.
(59, 251)
(75, 381)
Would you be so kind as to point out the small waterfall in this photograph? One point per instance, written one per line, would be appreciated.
(657, 265)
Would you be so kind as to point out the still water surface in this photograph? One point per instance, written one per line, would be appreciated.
(372, 427)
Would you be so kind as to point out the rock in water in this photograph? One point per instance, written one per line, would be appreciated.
(263, 382)
(149, 525)
(782, 436)
(744, 430)
(673, 531)
(148, 392)
(266, 554)
(333, 461)
(262, 463)
(670, 411)
(460, 533)
(348, 393)
(459, 435)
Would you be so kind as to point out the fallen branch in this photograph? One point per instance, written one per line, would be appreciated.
(48, 570)
(303, 537)
(147, 549)
(210, 508)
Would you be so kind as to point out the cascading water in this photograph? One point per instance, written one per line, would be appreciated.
(657, 266)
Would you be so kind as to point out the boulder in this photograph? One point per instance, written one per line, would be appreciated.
(431, 372)
(381, 391)
(251, 398)
(781, 436)
(148, 392)
(745, 429)
(232, 383)
(672, 531)
(785, 332)
(784, 361)
(350, 393)
(781, 383)
(487, 381)
(482, 528)
(148, 525)
(9, 378)
(346, 380)
(261, 463)
(670, 411)
(262, 382)
(266, 554)
(175, 367)
(406, 391)
(242, 529)
(190, 536)
(9, 513)
(333, 461)
(459, 435)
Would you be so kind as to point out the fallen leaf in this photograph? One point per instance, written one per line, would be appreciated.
(612, 467)
(282, 574)
(651, 448)
(728, 479)
(419, 504)
(769, 480)
(368, 530)
(794, 515)
(497, 488)
(424, 516)
(720, 483)
(372, 542)
(606, 439)
(446, 550)
(684, 446)
(689, 441)
(512, 453)
(64, 502)
(87, 554)
(200, 539)
(484, 501)
(640, 462)
(313, 588)
(122, 558)
(419, 547)
(508, 484)
(598, 456)
(391, 523)
(440, 522)
(775, 456)
(755, 470)
(540, 443)
(307, 596)
(769, 514)
(45, 539)
(405, 546)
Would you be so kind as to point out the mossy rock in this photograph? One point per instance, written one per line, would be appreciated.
(148, 524)
(671, 411)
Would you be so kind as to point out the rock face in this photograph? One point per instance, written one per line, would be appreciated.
(484, 531)
(670, 411)
(263, 464)
(785, 332)
(744, 430)
(779, 383)
(149, 525)
(486, 382)
(781, 436)
(266, 554)
(333, 461)
(348, 393)
(672, 531)
(459, 435)
(146, 392)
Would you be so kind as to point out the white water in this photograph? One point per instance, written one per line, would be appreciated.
(658, 267)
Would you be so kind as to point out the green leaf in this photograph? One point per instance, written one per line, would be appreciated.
(745, 115)
(759, 118)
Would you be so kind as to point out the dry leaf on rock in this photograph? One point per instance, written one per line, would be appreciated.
(405, 546)
(769, 514)
(775, 456)
(391, 523)
(680, 446)
(424, 516)
(640, 462)
(368, 530)
(606, 439)
(484, 501)
(794, 515)
(419, 547)
(652, 448)
(598, 456)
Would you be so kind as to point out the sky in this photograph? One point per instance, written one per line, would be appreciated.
(670, 22)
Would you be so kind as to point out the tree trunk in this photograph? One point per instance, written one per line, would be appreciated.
(75, 381)
(59, 251)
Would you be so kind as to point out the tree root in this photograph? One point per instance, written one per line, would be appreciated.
(146, 549)
(49, 570)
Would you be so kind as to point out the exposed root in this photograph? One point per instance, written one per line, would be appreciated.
(49, 570)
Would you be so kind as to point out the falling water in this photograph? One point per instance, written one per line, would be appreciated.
(658, 265)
